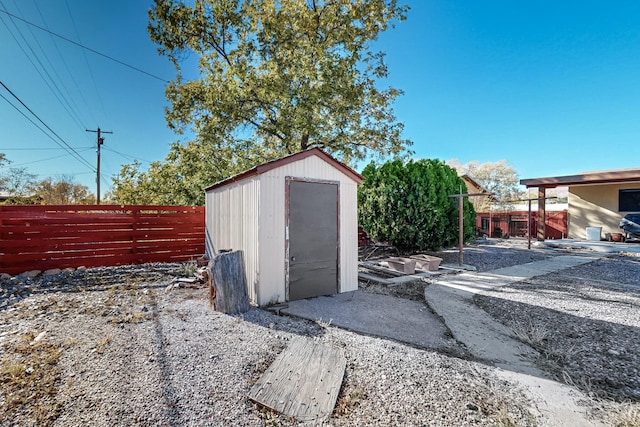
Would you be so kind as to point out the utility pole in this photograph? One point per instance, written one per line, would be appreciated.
(100, 141)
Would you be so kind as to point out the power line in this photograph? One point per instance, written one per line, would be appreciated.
(55, 89)
(49, 82)
(127, 156)
(69, 148)
(85, 47)
(38, 148)
(48, 158)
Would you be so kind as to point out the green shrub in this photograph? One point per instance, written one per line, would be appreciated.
(407, 204)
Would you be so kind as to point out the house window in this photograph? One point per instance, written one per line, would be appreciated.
(484, 223)
(629, 200)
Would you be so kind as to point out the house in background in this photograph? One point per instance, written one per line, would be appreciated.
(596, 199)
(295, 219)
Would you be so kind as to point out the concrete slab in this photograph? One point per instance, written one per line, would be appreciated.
(602, 246)
(385, 316)
(452, 299)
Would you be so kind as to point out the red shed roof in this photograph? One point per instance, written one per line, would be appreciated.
(265, 167)
(585, 178)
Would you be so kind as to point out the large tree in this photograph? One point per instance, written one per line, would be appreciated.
(63, 191)
(3, 177)
(286, 75)
(497, 177)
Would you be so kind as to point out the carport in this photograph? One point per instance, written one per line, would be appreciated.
(596, 199)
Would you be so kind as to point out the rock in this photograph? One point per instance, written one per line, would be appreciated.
(472, 406)
(68, 270)
(82, 268)
(613, 352)
(31, 273)
(52, 272)
(39, 338)
(5, 276)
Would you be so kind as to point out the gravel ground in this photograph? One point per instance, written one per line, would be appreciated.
(125, 346)
(583, 320)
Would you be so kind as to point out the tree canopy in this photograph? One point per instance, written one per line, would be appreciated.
(498, 177)
(407, 204)
(286, 74)
(274, 77)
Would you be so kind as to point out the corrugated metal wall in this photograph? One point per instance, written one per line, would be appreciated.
(232, 223)
(250, 215)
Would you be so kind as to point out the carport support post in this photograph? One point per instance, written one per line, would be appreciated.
(542, 195)
(460, 231)
(529, 226)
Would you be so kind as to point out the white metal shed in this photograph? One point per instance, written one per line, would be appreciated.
(295, 218)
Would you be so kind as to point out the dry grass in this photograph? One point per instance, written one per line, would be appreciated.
(531, 333)
(627, 415)
(102, 344)
(349, 398)
(29, 375)
(188, 269)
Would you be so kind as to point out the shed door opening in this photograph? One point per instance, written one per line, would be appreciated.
(313, 239)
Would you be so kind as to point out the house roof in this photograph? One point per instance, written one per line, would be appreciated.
(265, 167)
(469, 180)
(585, 178)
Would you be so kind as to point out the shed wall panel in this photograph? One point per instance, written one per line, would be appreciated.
(232, 223)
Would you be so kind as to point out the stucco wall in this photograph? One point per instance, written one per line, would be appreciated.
(595, 206)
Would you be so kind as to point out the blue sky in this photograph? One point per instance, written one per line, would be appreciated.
(551, 87)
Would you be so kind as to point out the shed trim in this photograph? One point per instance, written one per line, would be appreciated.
(265, 167)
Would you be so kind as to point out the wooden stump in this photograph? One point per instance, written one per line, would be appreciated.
(228, 283)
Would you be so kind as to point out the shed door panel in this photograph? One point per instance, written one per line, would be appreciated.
(313, 239)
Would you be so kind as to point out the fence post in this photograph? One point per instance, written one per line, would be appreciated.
(134, 237)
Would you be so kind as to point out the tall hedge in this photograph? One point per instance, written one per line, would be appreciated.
(407, 204)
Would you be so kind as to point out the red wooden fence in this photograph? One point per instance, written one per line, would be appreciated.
(43, 237)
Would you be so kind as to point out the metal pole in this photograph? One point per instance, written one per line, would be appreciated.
(529, 226)
(460, 230)
(100, 141)
(98, 169)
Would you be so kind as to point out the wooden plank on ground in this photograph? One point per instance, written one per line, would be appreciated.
(379, 268)
(371, 277)
(303, 381)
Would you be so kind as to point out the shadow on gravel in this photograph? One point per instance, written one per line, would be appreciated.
(597, 356)
(169, 393)
(98, 279)
(284, 323)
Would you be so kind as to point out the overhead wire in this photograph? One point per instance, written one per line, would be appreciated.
(48, 158)
(66, 66)
(39, 148)
(126, 156)
(69, 148)
(73, 109)
(49, 81)
(86, 61)
(87, 48)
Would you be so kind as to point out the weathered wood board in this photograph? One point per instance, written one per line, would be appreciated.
(230, 283)
(303, 381)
